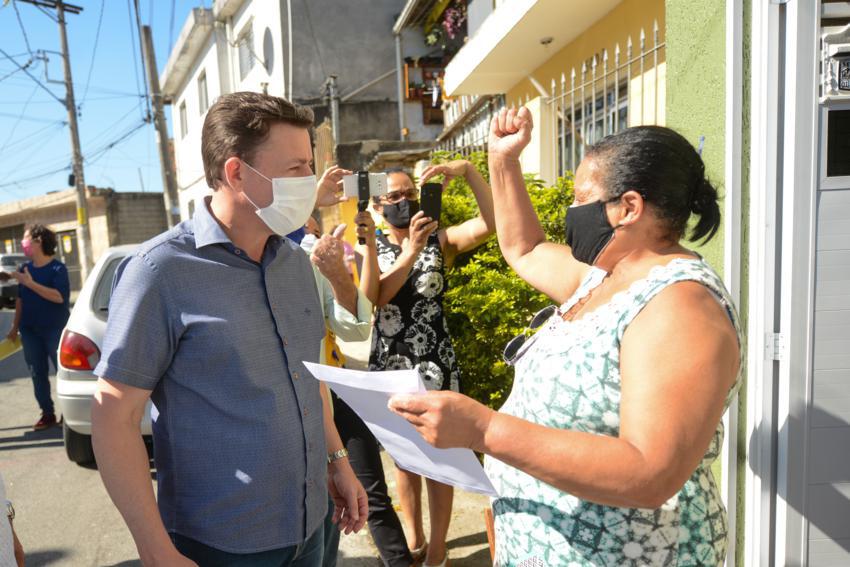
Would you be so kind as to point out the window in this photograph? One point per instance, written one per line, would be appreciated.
(246, 51)
(591, 122)
(103, 291)
(184, 121)
(837, 145)
(203, 100)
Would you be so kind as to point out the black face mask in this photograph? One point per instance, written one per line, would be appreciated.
(399, 214)
(588, 231)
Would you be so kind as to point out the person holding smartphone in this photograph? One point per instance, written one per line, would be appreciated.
(409, 329)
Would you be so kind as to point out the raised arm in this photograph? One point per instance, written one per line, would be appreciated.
(393, 279)
(370, 272)
(547, 266)
(472, 233)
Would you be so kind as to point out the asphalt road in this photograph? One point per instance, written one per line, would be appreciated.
(65, 517)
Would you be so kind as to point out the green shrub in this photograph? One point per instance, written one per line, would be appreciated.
(487, 304)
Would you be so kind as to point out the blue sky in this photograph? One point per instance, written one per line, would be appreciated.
(108, 76)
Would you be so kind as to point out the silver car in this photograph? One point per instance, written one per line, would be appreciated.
(79, 353)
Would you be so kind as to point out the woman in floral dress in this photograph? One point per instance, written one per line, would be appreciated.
(601, 455)
(410, 326)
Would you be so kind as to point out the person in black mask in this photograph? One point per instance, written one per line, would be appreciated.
(410, 329)
(602, 453)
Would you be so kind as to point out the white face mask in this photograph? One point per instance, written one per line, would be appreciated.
(293, 199)
(308, 242)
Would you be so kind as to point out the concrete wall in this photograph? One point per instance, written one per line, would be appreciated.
(696, 102)
(135, 217)
(354, 43)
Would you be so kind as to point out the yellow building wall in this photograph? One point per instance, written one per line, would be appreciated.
(628, 18)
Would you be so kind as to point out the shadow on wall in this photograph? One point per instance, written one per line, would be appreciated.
(825, 507)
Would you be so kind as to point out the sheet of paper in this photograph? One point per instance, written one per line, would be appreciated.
(367, 393)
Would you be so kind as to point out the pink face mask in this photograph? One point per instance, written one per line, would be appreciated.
(26, 245)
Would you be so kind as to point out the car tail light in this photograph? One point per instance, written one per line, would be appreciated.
(78, 352)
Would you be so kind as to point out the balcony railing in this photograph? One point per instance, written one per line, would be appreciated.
(611, 91)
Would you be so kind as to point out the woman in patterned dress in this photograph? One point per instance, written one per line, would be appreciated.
(602, 453)
(410, 326)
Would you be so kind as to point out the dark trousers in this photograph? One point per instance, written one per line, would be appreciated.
(365, 457)
(308, 554)
(40, 345)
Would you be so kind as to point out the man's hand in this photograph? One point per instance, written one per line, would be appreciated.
(351, 507)
(510, 132)
(329, 191)
(24, 278)
(365, 227)
(445, 419)
(328, 255)
(13, 333)
(449, 171)
(421, 227)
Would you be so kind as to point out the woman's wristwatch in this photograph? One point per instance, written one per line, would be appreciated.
(10, 510)
(337, 455)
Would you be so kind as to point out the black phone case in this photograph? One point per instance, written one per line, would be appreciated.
(431, 200)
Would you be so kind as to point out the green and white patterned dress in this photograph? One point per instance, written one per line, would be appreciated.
(569, 378)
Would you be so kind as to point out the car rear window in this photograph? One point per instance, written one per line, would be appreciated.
(103, 290)
(12, 261)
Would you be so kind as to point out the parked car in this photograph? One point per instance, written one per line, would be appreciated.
(9, 263)
(79, 353)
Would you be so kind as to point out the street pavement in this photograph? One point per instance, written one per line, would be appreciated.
(65, 517)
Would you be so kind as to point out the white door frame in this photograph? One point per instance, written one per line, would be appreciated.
(783, 197)
(732, 260)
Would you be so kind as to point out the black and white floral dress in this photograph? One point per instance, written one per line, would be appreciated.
(411, 331)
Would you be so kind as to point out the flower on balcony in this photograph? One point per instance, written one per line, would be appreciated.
(454, 19)
(434, 36)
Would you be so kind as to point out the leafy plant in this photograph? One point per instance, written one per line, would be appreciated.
(487, 304)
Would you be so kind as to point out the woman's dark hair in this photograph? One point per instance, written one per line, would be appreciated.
(661, 165)
(45, 236)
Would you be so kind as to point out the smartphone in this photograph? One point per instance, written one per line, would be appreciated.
(431, 200)
(377, 184)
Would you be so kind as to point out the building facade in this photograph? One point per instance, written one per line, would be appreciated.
(292, 49)
(763, 90)
(114, 218)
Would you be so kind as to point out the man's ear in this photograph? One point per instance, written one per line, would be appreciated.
(232, 173)
(632, 207)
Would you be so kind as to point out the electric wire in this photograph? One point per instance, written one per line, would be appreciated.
(20, 117)
(134, 55)
(21, 25)
(142, 50)
(93, 52)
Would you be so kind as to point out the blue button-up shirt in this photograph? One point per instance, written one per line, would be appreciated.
(221, 340)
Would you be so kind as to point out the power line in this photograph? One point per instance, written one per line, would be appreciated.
(18, 120)
(134, 53)
(23, 29)
(30, 75)
(141, 49)
(35, 134)
(13, 71)
(93, 53)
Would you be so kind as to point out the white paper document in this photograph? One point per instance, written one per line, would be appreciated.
(368, 393)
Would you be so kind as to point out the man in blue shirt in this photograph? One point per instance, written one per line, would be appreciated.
(213, 321)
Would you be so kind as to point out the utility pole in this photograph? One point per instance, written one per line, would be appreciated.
(83, 233)
(333, 101)
(169, 178)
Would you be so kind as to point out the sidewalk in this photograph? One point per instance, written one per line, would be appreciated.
(467, 540)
